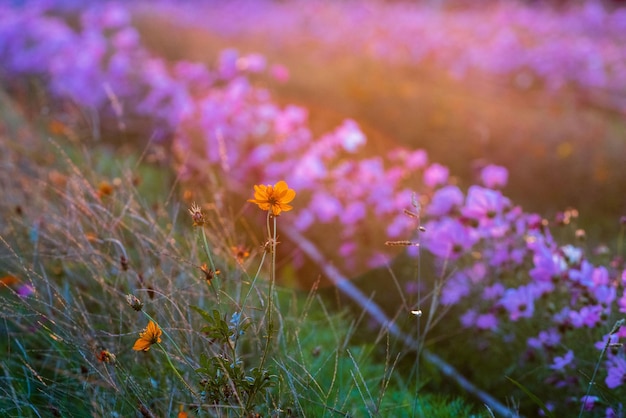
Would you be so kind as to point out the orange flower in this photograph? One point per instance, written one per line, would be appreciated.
(105, 189)
(9, 280)
(151, 335)
(273, 198)
(209, 274)
(240, 252)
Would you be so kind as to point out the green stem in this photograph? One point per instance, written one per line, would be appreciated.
(206, 249)
(167, 356)
(258, 272)
(615, 330)
(169, 337)
(208, 253)
(270, 326)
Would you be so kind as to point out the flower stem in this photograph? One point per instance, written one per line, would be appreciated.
(614, 330)
(207, 250)
(270, 326)
(167, 356)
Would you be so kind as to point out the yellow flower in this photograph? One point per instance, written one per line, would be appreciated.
(151, 335)
(274, 198)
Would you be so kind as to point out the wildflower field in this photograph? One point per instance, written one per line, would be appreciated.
(312, 208)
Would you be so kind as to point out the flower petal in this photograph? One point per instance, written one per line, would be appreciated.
(141, 345)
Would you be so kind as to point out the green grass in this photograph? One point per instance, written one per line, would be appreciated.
(84, 247)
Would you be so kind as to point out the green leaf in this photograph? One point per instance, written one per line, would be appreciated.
(207, 317)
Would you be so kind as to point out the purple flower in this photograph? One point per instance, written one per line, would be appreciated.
(350, 135)
(254, 63)
(588, 316)
(610, 413)
(228, 63)
(326, 206)
(487, 321)
(493, 292)
(468, 319)
(605, 295)
(354, 212)
(279, 72)
(436, 175)
(377, 260)
(445, 200)
(290, 119)
(410, 160)
(455, 288)
(484, 204)
(573, 255)
(589, 402)
(548, 264)
(621, 303)
(545, 339)
(400, 225)
(494, 176)
(347, 249)
(304, 220)
(616, 372)
(416, 160)
(448, 238)
(519, 302)
(25, 290)
(561, 363)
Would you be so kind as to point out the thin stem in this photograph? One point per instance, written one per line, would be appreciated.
(270, 326)
(208, 253)
(615, 329)
(256, 276)
(167, 356)
(419, 309)
(169, 337)
(206, 249)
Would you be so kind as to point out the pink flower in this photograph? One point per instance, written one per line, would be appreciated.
(350, 135)
(588, 316)
(436, 175)
(448, 238)
(484, 204)
(279, 72)
(445, 200)
(494, 176)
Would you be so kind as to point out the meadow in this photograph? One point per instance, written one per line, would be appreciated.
(312, 209)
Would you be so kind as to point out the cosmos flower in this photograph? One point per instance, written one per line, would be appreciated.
(151, 335)
(494, 176)
(273, 198)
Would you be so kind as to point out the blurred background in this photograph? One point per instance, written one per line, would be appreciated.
(535, 86)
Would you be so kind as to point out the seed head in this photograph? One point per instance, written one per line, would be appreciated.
(196, 215)
(134, 302)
